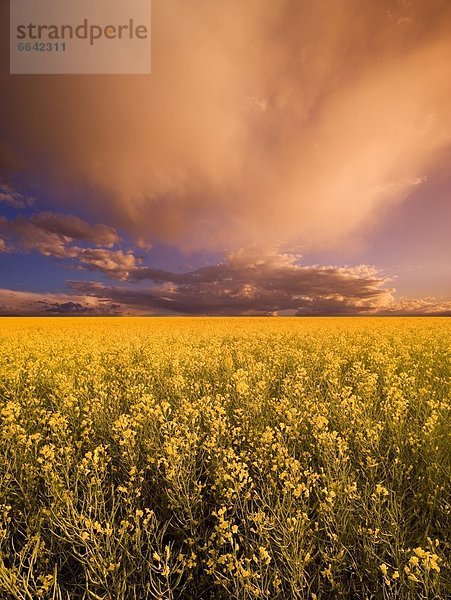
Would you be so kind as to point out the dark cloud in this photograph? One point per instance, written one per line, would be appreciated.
(74, 228)
(68, 308)
(245, 284)
(53, 234)
(22, 235)
(251, 281)
(50, 232)
(77, 308)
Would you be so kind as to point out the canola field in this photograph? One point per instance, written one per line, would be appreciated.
(229, 458)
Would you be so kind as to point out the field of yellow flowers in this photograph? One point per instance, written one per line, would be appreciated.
(233, 458)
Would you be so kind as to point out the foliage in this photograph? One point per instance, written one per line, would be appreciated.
(224, 458)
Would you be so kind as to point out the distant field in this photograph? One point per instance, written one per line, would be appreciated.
(230, 458)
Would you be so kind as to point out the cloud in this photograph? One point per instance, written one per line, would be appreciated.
(261, 121)
(75, 228)
(53, 234)
(22, 235)
(67, 308)
(51, 229)
(114, 263)
(13, 303)
(420, 307)
(248, 282)
(13, 198)
(251, 283)
(70, 308)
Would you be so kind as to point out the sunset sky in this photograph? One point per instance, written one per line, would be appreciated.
(284, 157)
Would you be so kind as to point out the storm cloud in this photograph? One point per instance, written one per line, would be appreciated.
(261, 121)
(247, 285)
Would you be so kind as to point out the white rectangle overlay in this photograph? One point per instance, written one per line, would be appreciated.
(109, 37)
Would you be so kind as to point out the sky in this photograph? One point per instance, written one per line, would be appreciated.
(283, 158)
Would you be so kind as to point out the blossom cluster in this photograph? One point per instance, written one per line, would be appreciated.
(225, 458)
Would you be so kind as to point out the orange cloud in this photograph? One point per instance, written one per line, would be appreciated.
(262, 121)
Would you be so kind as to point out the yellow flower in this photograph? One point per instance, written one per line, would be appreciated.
(381, 490)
